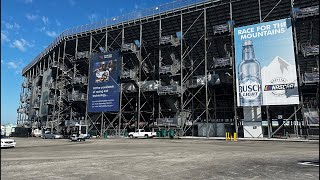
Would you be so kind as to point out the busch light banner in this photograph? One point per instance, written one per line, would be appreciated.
(104, 82)
(265, 64)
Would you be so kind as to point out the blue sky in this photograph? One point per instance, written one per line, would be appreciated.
(29, 26)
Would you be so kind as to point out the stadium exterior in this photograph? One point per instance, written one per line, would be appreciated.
(177, 71)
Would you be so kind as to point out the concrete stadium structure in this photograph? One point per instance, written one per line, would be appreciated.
(177, 67)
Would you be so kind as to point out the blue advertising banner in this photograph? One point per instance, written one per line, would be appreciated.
(104, 82)
(265, 64)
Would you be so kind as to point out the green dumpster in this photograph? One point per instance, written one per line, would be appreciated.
(158, 134)
(105, 135)
(171, 134)
(93, 132)
(164, 133)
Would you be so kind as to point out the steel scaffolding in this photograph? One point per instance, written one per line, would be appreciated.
(177, 71)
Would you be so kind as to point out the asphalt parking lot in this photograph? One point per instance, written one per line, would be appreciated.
(97, 159)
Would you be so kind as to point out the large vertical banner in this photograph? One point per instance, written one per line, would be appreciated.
(34, 98)
(104, 82)
(265, 64)
(45, 91)
(311, 116)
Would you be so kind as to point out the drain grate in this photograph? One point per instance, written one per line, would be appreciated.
(309, 163)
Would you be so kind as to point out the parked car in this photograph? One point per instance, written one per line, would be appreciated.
(7, 142)
(86, 136)
(139, 133)
(58, 136)
(75, 137)
(48, 136)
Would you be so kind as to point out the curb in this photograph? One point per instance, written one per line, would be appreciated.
(253, 139)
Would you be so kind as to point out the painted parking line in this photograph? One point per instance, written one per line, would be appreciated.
(310, 163)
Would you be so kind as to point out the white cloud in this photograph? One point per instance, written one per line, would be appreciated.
(28, 1)
(139, 6)
(51, 33)
(21, 44)
(45, 20)
(4, 36)
(42, 29)
(93, 17)
(31, 17)
(12, 26)
(12, 65)
(121, 10)
(58, 23)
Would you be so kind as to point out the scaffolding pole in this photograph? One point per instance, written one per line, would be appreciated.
(296, 50)
(269, 122)
(206, 67)
(260, 18)
(181, 69)
(159, 66)
(55, 93)
(120, 98)
(234, 75)
(139, 84)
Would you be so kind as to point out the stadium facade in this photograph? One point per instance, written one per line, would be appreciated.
(177, 71)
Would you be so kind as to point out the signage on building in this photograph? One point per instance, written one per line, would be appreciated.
(311, 116)
(43, 111)
(265, 64)
(104, 82)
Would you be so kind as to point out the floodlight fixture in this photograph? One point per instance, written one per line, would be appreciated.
(137, 42)
(102, 49)
(228, 74)
(173, 57)
(179, 35)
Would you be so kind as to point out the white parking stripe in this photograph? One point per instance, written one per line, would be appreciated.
(309, 164)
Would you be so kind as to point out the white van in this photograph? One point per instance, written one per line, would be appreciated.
(36, 133)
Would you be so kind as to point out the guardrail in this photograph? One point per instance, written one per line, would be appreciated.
(113, 21)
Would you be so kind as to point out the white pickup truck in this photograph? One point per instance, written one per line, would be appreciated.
(140, 133)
